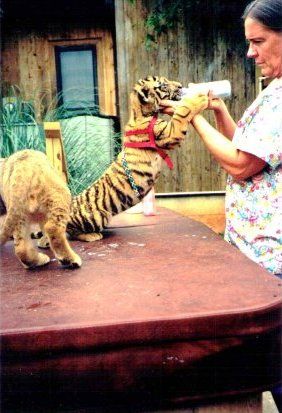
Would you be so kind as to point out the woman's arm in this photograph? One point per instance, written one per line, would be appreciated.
(241, 165)
(224, 122)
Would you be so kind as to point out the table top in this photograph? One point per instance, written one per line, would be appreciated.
(150, 278)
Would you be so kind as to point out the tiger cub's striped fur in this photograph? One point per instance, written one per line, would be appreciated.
(135, 171)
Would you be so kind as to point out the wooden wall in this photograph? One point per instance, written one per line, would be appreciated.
(28, 61)
(208, 44)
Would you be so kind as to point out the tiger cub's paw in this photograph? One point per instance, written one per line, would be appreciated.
(43, 242)
(94, 236)
(36, 235)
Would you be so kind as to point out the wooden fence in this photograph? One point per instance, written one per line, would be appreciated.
(207, 44)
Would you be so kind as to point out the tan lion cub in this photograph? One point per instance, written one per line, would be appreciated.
(33, 192)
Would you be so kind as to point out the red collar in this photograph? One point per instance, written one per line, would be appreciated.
(151, 144)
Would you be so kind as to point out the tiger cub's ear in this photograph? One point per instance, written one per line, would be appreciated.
(143, 92)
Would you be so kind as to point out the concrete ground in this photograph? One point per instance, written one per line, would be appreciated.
(206, 208)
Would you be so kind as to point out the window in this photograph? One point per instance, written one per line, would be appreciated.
(77, 77)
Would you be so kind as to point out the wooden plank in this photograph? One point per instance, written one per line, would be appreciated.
(109, 75)
(54, 147)
(49, 150)
(10, 65)
(122, 66)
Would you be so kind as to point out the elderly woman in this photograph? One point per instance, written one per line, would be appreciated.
(251, 151)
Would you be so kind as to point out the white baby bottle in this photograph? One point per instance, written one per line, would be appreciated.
(220, 89)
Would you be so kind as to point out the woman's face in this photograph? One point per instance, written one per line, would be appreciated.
(265, 46)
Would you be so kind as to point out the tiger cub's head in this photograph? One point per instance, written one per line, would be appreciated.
(147, 94)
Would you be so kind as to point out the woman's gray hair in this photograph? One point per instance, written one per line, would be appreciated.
(266, 12)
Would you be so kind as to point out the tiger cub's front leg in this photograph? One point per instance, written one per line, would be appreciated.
(172, 133)
(43, 241)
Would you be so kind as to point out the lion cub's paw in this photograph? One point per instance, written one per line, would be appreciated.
(3, 238)
(72, 262)
(41, 259)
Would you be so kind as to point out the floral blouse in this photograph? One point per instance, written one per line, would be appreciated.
(254, 206)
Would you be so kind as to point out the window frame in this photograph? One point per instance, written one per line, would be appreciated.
(76, 48)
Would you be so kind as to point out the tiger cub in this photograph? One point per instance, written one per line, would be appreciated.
(32, 191)
(135, 171)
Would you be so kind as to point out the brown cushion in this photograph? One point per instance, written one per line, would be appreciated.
(162, 309)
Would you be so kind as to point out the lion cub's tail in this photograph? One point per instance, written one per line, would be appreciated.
(33, 204)
(7, 228)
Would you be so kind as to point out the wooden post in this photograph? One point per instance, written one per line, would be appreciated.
(54, 148)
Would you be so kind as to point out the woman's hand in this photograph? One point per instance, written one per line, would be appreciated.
(215, 104)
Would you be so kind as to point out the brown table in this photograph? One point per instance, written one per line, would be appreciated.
(163, 313)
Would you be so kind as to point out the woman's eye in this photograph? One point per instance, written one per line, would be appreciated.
(253, 42)
(257, 41)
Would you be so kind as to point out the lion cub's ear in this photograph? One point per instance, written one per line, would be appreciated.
(143, 92)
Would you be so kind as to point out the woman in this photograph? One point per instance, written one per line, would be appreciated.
(251, 150)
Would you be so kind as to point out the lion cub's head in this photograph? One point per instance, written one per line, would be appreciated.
(147, 94)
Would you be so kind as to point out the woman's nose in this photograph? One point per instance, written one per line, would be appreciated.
(251, 52)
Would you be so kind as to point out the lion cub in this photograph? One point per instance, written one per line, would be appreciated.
(32, 192)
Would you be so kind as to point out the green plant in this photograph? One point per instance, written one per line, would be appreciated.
(164, 17)
(91, 141)
(90, 144)
(18, 127)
